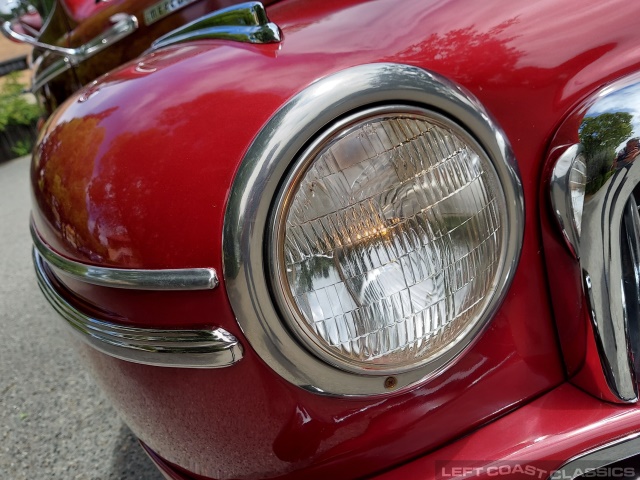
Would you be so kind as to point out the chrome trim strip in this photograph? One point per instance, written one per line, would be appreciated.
(264, 167)
(599, 457)
(136, 279)
(245, 22)
(214, 348)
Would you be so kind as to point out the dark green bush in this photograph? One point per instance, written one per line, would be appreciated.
(15, 109)
(18, 117)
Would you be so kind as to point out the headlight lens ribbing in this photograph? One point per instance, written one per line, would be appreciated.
(389, 240)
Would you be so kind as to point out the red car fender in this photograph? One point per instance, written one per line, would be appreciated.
(134, 172)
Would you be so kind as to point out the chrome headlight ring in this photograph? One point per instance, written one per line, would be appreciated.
(325, 107)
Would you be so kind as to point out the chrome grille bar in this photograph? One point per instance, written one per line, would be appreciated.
(599, 221)
(630, 251)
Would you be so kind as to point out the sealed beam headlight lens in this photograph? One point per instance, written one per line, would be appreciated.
(389, 240)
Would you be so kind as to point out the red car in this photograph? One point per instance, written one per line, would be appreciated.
(349, 239)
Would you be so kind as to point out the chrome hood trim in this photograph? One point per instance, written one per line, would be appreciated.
(245, 22)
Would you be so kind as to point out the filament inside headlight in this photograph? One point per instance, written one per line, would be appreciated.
(389, 240)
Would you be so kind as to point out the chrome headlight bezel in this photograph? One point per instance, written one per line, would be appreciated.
(248, 219)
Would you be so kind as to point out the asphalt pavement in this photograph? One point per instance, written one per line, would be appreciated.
(54, 421)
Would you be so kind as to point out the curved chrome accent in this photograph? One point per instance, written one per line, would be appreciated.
(561, 197)
(599, 457)
(609, 138)
(167, 279)
(169, 348)
(245, 22)
(164, 348)
(123, 25)
(264, 167)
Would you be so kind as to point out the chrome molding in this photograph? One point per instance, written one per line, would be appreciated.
(599, 457)
(164, 348)
(265, 165)
(137, 279)
(245, 22)
(609, 219)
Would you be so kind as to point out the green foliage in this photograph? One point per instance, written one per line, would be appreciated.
(600, 136)
(598, 168)
(22, 148)
(605, 132)
(14, 108)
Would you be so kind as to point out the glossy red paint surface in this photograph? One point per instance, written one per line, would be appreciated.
(544, 434)
(135, 172)
(76, 23)
(531, 442)
(80, 10)
(246, 422)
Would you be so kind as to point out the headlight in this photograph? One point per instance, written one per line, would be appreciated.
(388, 240)
(372, 230)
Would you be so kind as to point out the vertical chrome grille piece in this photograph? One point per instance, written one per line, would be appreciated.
(602, 231)
(630, 250)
